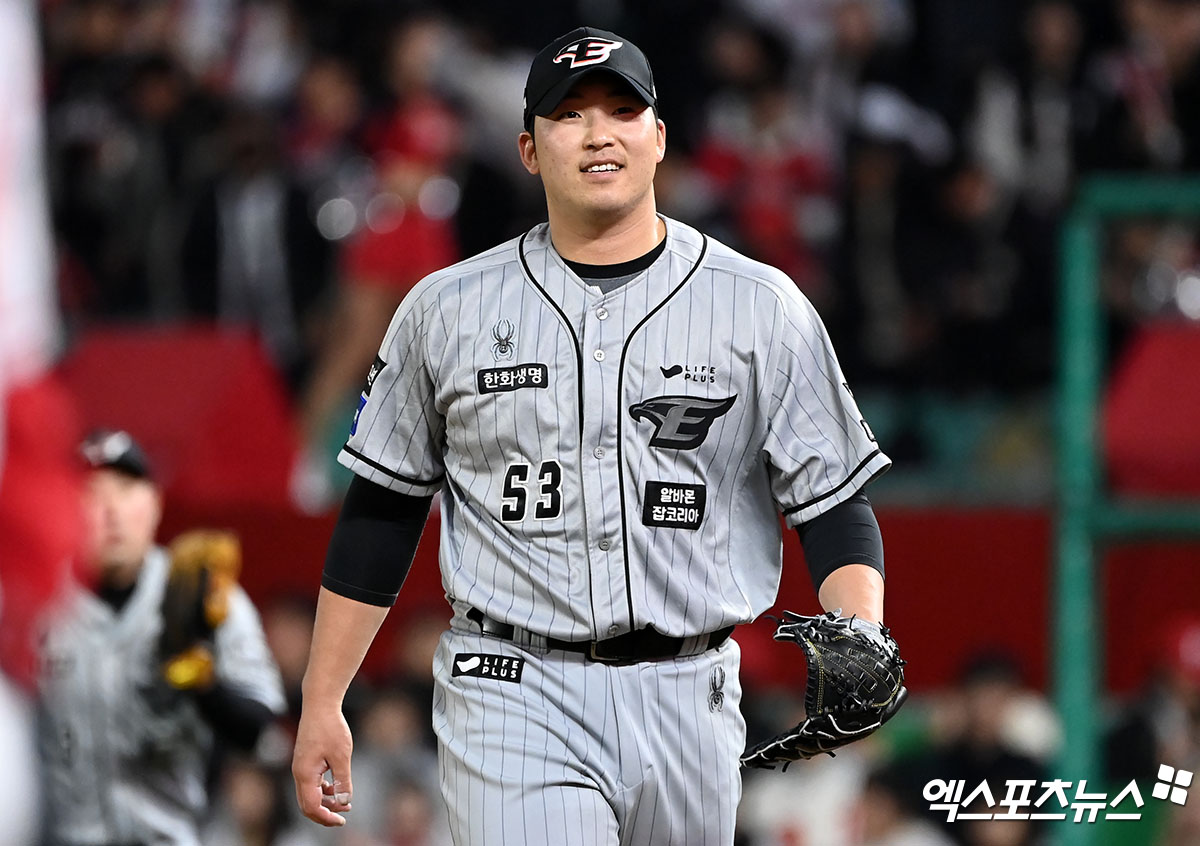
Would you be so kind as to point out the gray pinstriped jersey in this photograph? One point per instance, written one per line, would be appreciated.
(125, 757)
(612, 461)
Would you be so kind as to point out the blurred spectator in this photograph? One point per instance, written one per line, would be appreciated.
(888, 337)
(774, 179)
(414, 817)
(815, 802)
(1029, 123)
(861, 81)
(252, 256)
(288, 626)
(408, 234)
(323, 132)
(811, 25)
(888, 811)
(1028, 119)
(993, 729)
(960, 271)
(169, 120)
(394, 752)
(1149, 90)
(1162, 725)
(95, 171)
(256, 808)
(267, 52)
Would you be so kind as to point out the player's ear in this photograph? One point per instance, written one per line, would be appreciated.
(157, 505)
(662, 140)
(528, 151)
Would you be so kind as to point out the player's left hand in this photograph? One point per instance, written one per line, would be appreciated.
(855, 685)
(323, 746)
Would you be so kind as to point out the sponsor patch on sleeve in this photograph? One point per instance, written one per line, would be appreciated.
(502, 379)
(484, 666)
(674, 505)
(376, 368)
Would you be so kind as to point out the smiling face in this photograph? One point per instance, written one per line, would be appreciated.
(596, 153)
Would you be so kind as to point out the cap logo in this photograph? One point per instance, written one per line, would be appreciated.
(589, 51)
(108, 449)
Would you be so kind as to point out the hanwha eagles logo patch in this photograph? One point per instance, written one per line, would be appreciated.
(588, 51)
(680, 422)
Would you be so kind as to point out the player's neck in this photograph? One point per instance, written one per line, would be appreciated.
(607, 242)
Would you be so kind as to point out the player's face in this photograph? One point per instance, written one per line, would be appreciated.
(597, 152)
(121, 515)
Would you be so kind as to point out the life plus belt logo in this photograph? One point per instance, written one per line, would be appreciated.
(485, 666)
(588, 51)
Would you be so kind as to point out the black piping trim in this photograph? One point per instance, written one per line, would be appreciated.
(830, 493)
(621, 417)
(562, 316)
(567, 323)
(397, 476)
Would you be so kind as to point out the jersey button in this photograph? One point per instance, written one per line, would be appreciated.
(612, 630)
(598, 355)
(604, 544)
(598, 452)
(602, 313)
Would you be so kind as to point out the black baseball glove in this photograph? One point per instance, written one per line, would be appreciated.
(855, 685)
(205, 565)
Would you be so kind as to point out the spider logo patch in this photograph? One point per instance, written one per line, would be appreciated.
(716, 693)
(503, 333)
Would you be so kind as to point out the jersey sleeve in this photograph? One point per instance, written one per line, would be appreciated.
(243, 658)
(819, 449)
(397, 434)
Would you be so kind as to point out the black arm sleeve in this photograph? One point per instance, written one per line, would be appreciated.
(237, 718)
(848, 533)
(374, 542)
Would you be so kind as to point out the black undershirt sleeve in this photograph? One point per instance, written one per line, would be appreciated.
(848, 533)
(237, 718)
(373, 542)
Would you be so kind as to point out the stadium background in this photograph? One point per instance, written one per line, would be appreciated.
(240, 192)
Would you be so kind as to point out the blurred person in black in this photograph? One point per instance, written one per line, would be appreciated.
(254, 808)
(889, 811)
(1028, 129)
(252, 256)
(1148, 91)
(980, 746)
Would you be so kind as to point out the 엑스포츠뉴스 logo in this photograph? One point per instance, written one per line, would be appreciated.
(1172, 784)
(587, 51)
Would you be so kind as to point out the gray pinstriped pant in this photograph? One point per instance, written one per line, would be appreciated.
(589, 754)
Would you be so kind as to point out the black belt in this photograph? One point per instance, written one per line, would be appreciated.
(629, 648)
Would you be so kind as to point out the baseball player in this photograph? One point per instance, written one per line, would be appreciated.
(125, 736)
(616, 408)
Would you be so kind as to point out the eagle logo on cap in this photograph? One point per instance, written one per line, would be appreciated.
(587, 51)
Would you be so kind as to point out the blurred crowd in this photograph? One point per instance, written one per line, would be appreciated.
(294, 166)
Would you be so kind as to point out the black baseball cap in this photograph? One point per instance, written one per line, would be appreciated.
(115, 449)
(564, 60)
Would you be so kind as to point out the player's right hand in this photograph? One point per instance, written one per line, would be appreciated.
(323, 745)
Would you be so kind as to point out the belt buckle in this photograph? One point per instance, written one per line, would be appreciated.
(593, 655)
